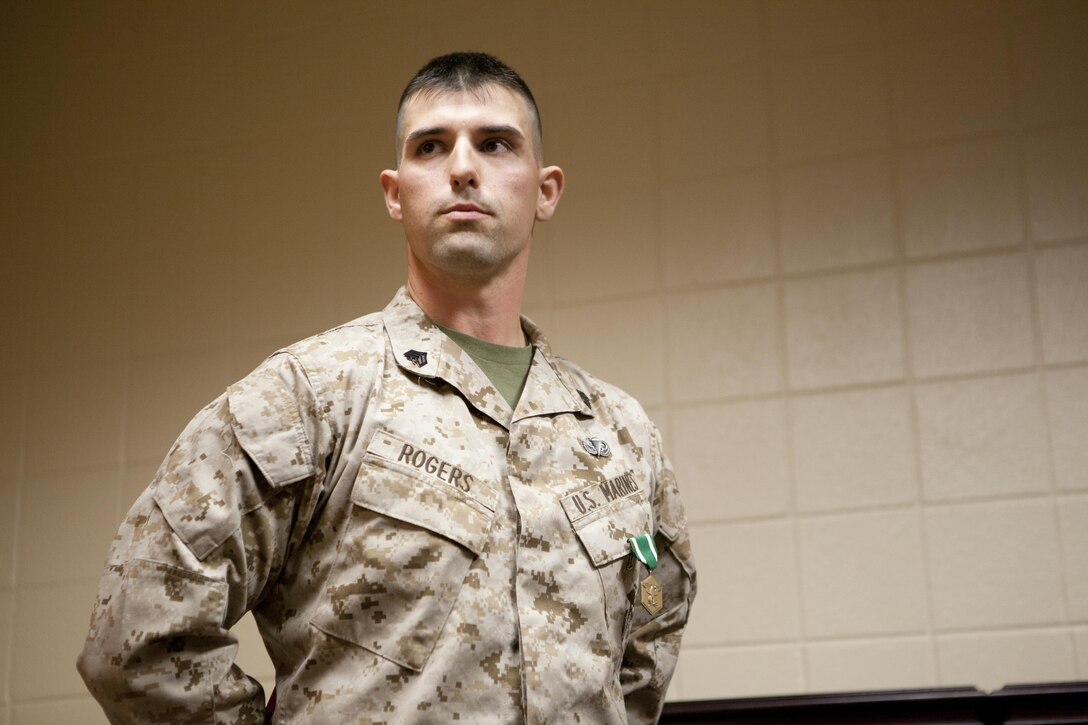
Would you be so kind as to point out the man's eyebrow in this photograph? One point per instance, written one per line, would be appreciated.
(501, 129)
(432, 131)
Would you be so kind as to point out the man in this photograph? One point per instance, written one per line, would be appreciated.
(431, 516)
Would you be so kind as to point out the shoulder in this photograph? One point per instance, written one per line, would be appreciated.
(616, 406)
(346, 350)
(356, 341)
(316, 375)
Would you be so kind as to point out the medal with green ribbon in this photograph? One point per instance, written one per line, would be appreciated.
(644, 550)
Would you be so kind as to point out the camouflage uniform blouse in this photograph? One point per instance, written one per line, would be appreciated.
(412, 549)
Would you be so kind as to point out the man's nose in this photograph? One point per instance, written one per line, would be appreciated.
(463, 171)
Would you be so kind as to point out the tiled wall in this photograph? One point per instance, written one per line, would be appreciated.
(838, 248)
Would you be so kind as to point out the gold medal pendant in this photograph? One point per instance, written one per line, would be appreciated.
(652, 596)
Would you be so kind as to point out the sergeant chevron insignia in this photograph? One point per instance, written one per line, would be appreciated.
(416, 357)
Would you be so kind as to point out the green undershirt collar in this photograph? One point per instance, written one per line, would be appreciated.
(506, 367)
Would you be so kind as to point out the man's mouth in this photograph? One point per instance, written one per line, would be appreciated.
(464, 212)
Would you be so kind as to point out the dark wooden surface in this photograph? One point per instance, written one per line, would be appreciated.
(1045, 704)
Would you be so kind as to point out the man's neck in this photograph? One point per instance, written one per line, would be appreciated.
(489, 311)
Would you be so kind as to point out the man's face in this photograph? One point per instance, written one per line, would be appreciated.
(469, 184)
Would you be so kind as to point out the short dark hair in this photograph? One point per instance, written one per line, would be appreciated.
(466, 72)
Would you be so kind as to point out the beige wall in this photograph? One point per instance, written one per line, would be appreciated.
(839, 249)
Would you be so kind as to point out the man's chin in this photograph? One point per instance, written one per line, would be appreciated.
(472, 261)
(467, 248)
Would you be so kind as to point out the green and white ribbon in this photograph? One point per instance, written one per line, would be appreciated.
(644, 550)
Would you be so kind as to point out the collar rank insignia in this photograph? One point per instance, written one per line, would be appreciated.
(596, 447)
(417, 358)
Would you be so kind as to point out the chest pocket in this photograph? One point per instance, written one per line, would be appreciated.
(409, 543)
(603, 531)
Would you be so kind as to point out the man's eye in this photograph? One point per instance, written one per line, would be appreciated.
(495, 145)
(428, 147)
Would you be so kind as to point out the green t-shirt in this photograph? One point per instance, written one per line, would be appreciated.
(506, 367)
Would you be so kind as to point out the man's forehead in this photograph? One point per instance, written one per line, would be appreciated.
(483, 101)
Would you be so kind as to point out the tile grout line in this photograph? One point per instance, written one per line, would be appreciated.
(902, 263)
(775, 170)
(20, 479)
(1038, 343)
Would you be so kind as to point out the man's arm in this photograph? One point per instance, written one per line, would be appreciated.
(654, 644)
(197, 550)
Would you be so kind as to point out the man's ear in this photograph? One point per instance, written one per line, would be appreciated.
(391, 191)
(551, 188)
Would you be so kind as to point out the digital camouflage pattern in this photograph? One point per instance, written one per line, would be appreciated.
(412, 549)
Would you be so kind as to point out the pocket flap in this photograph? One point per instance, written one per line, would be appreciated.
(604, 533)
(416, 499)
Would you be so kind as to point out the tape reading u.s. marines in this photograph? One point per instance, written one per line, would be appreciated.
(435, 466)
(591, 497)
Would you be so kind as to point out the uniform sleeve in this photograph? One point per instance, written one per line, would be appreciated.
(198, 549)
(654, 644)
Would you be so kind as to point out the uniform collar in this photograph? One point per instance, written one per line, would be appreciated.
(421, 349)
